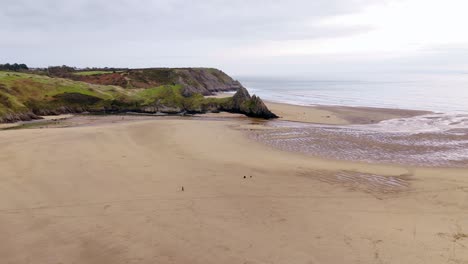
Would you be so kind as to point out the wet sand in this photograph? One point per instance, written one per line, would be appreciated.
(111, 192)
(369, 143)
(45, 120)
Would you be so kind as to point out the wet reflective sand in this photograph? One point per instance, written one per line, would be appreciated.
(402, 141)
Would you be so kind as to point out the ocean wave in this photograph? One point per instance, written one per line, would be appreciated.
(456, 123)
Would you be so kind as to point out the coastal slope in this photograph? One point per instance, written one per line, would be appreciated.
(58, 90)
(203, 81)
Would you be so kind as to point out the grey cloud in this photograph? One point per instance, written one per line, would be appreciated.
(159, 32)
(176, 19)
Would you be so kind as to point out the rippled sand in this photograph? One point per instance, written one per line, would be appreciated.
(368, 182)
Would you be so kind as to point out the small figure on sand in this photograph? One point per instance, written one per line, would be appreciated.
(182, 188)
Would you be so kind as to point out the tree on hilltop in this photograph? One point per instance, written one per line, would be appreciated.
(13, 67)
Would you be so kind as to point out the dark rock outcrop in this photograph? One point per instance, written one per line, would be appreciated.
(248, 105)
(16, 117)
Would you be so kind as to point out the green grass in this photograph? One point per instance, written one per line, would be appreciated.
(31, 86)
(21, 92)
(165, 92)
(88, 73)
(172, 95)
(100, 91)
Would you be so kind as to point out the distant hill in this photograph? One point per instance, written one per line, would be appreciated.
(28, 94)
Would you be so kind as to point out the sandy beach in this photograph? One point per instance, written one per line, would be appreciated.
(111, 192)
(234, 132)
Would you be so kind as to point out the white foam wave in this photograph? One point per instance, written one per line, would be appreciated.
(431, 123)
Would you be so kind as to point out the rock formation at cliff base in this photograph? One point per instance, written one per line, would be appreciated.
(248, 105)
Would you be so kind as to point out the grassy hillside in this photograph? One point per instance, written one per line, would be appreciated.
(20, 92)
(87, 73)
(193, 80)
(39, 94)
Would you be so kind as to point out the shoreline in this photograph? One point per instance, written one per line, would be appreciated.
(334, 114)
(342, 140)
(317, 114)
(347, 139)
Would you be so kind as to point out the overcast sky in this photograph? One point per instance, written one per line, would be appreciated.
(242, 37)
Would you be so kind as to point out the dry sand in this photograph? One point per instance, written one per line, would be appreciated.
(111, 194)
(307, 114)
(338, 115)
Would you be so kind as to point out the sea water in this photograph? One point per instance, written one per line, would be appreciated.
(436, 139)
(436, 92)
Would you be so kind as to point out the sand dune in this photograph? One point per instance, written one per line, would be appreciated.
(112, 194)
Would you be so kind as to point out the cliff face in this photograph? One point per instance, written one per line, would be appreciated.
(205, 81)
(26, 96)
